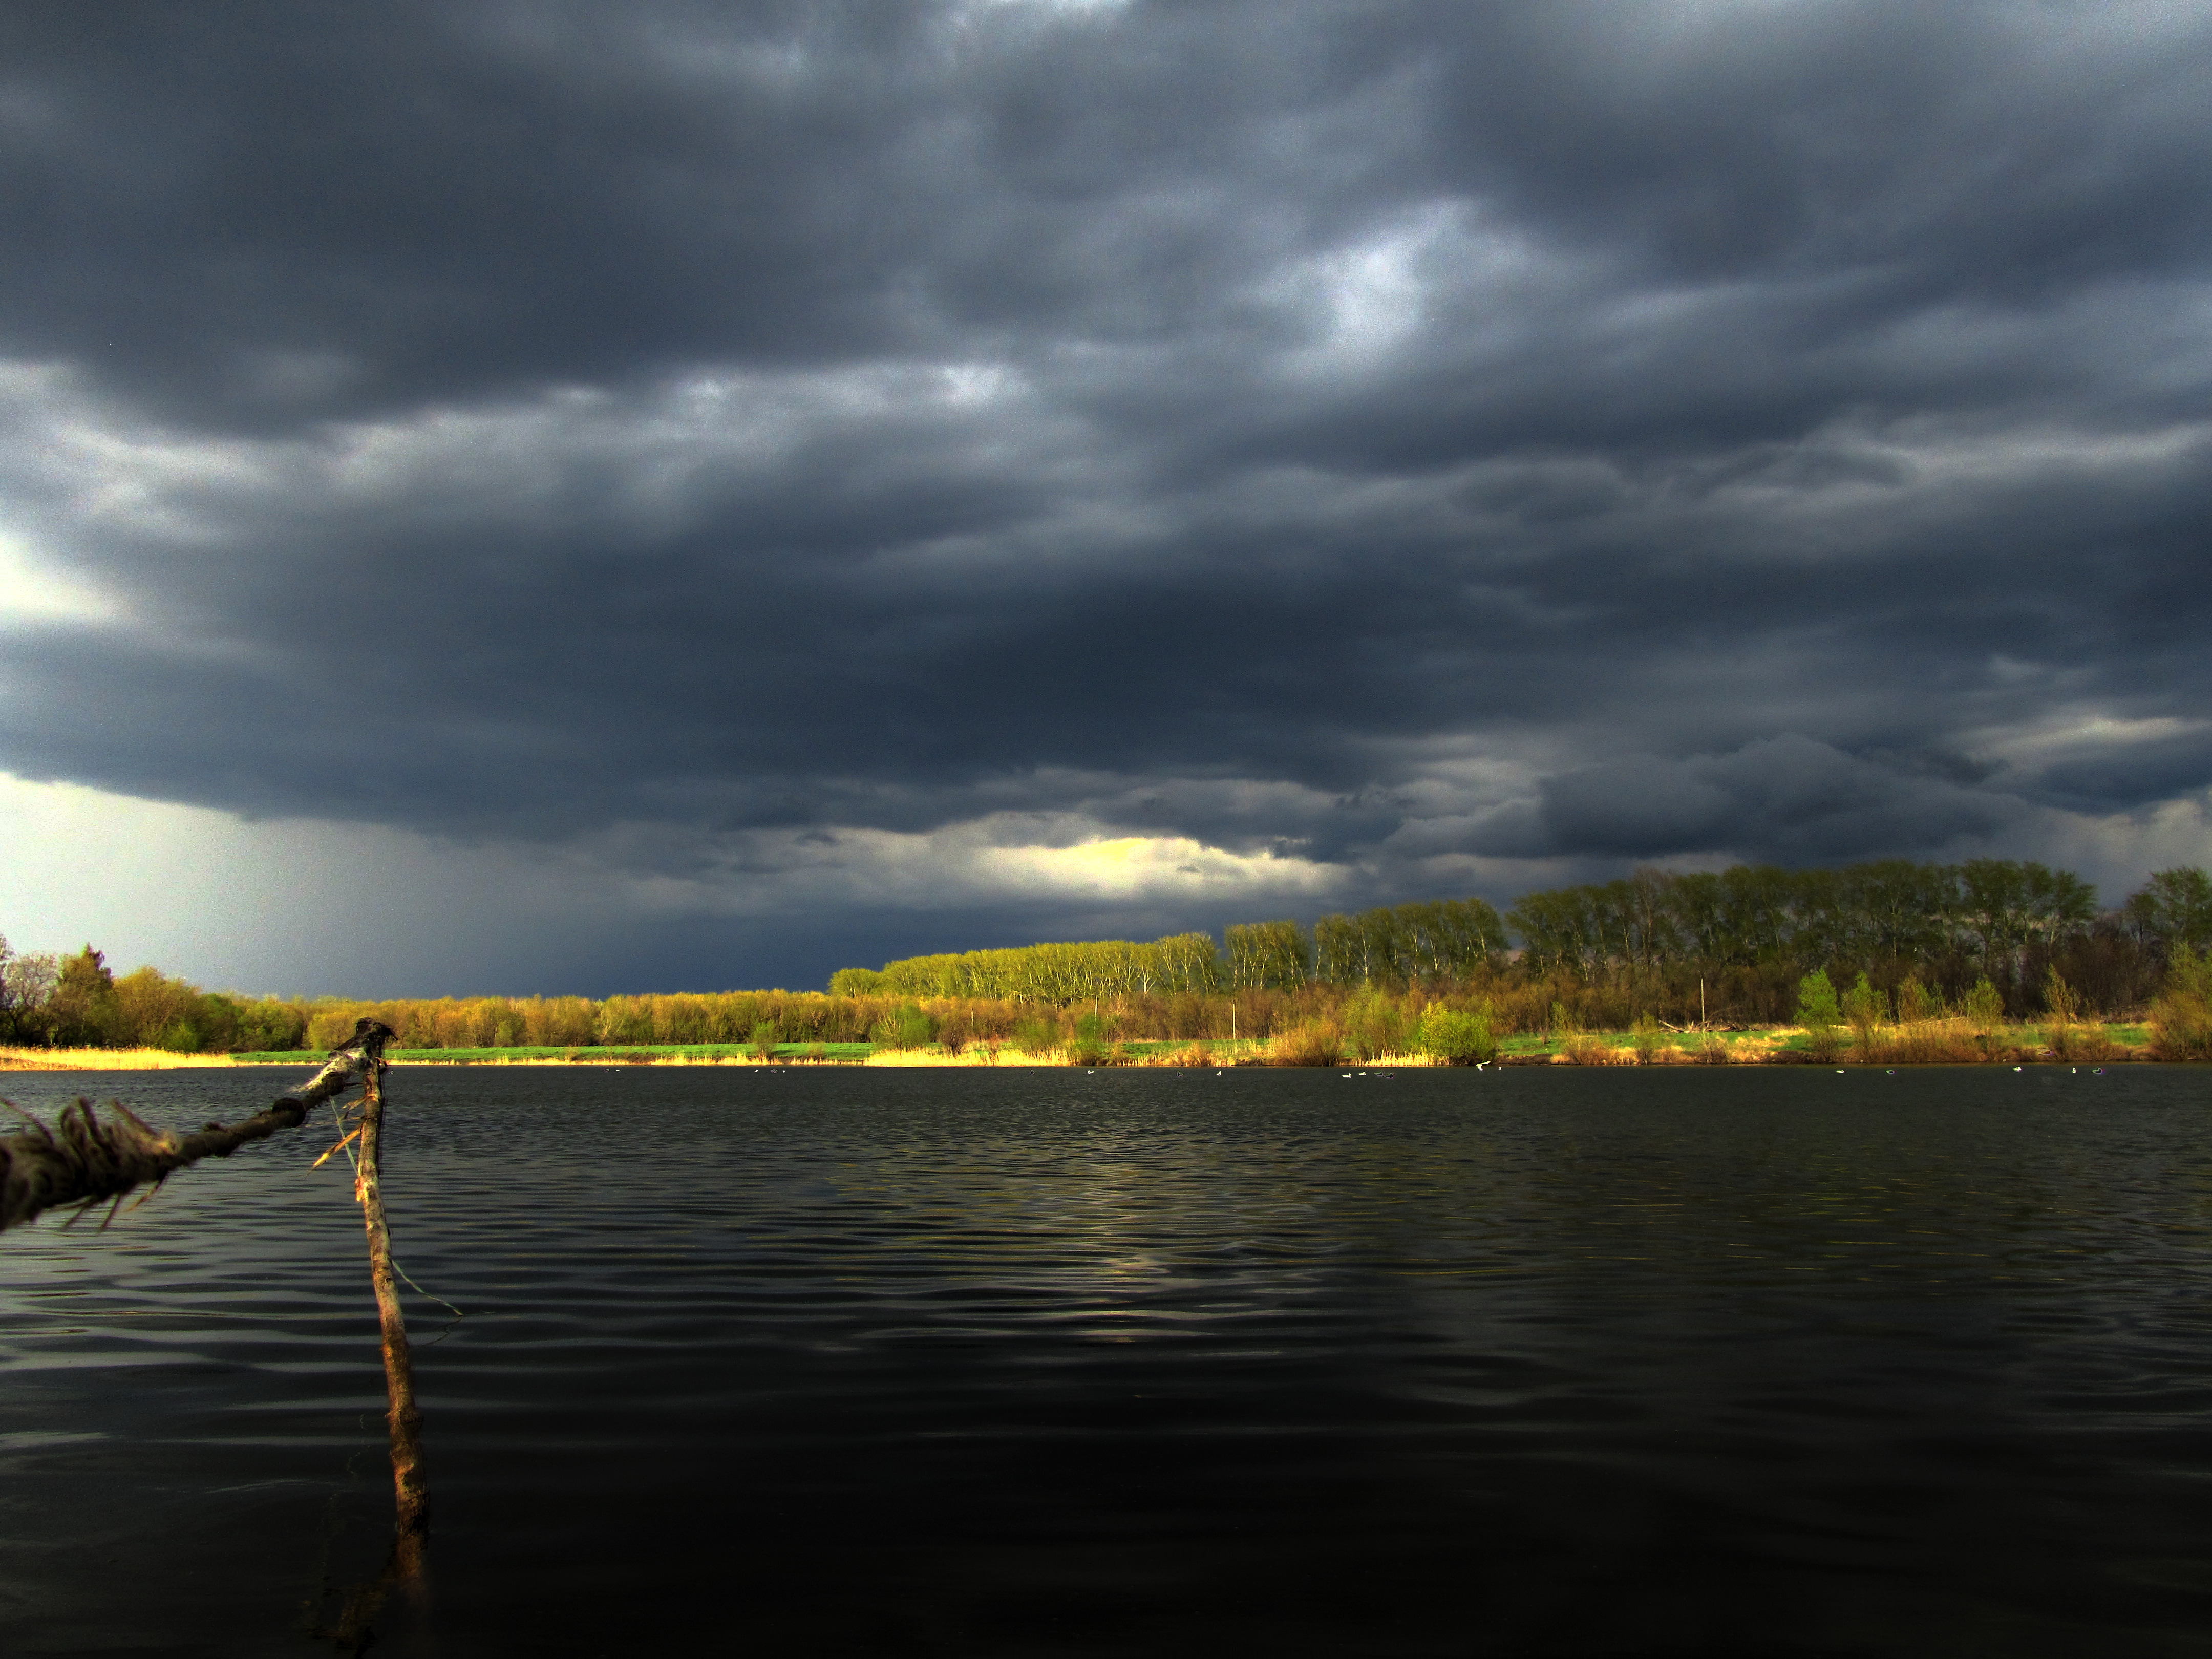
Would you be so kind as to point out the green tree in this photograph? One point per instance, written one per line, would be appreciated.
(1864, 1007)
(1457, 1037)
(1816, 1001)
(83, 1001)
(2174, 907)
(1917, 1003)
(1985, 1009)
(1270, 956)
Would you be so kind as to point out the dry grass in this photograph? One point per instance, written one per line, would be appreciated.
(102, 1059)
(1316, 1043)
(1584, 1049)
(1192, 1054)
(1934, 1042)
(975, 1056)
(2081, 1040)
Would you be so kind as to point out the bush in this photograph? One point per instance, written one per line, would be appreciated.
(1315, 1043)
(1865, 1007)
(1584, 1049)
(1816, 1001)
(1643, 1036)
(905, 1027)
(765, 1037)
(1917, 1003)
(1195, 1053)
(2082, 1040)
(1036, 1035)
(1089, 1047)
(1374, 1026)
(1457, 1037)
(1985, 1009)
(2181, 1018)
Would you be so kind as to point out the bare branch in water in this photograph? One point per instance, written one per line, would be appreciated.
(87, 1157)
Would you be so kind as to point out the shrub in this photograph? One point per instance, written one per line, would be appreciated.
(1644, 1037)
(765, 1037)
(1314, 1042)
(1818, 1012)
(1985, 1009)
(1089, 1047)
(1373, 1024)
(2181, 1018)
(1816, 1001)
(1455, 1037)
(1865, 1007)
(2082, 1040)
(1917, 1003)
(1930, 1044)
(905, 1026)
(1582, 1048)
(1036, 1035)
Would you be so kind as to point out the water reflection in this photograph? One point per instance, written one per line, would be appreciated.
(1040, 1363)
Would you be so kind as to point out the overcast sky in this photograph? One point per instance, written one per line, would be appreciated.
(546, 497)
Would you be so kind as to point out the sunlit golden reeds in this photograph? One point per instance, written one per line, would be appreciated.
(980, 1055)
(102, 1059)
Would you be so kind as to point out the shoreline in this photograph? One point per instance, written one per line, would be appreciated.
(2019, 1046)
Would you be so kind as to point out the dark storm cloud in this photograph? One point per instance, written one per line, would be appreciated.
(1781, 798)
(1373, 433)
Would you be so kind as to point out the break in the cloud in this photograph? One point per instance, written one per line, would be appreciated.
(805, 483)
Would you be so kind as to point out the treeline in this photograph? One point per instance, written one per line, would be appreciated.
(1449, 940)
(1726, 947)
(76, 1001)
(1727, 944)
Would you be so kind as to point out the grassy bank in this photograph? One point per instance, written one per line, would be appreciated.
(1940, 1042)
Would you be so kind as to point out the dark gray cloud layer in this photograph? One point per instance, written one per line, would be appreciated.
(1404, 436)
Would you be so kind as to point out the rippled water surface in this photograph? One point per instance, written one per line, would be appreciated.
(845, 1361)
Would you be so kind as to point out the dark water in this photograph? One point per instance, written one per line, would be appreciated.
(1537, 1362)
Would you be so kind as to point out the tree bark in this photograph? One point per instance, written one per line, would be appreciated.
(409, 1487)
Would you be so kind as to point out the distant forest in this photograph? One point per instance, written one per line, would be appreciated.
(1740, 930)
(1731, 947)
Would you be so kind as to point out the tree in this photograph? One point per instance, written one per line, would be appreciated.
(2174, 907)
(83, 1001)
(1816, 1002)
(2004, 904)
(1269, 956)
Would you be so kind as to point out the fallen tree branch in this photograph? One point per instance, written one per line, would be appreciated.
(85, 1158)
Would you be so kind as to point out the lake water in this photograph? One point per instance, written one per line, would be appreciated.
(1145, 1363)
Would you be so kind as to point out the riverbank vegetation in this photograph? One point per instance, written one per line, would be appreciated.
(1889, 962)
